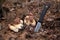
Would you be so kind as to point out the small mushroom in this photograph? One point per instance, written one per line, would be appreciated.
(29, 20)
(16, 25)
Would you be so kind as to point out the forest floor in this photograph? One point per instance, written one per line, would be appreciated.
(50, 29)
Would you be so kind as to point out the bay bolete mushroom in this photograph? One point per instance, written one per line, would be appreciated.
(16, 25)
(29, 20)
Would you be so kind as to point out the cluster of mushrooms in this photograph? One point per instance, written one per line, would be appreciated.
(18, 23)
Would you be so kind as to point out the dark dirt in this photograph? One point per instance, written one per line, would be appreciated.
(50, 29)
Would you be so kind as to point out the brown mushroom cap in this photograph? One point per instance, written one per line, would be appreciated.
(29, 20)
(17, 20)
